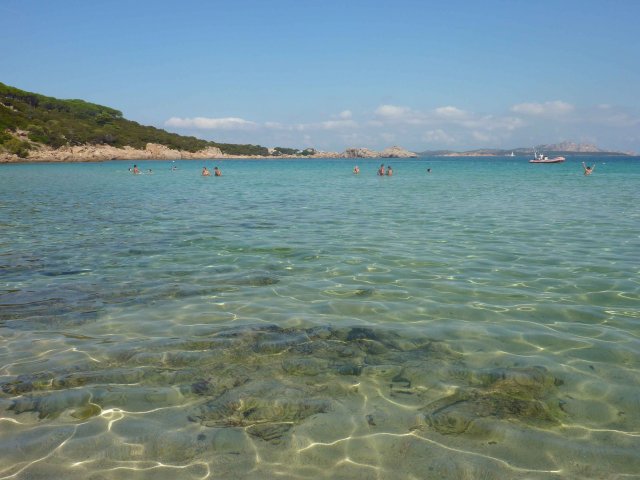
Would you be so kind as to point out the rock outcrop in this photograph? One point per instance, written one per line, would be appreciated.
(360, 153)
(99, 153)
(154, 151)
(391, 152)
(397, 152)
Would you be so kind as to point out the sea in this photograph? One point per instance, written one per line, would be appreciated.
(465, 318)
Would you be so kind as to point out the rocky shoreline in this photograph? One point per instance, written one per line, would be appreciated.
(153, 151)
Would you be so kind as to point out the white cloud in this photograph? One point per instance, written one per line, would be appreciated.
(388, 137)
(481, 137)
(204, 123)
(450, 112)
(609, 115)
(446, 126)
(489, 122)
(392, 111)
(397, 114)
(437, 136)
(338, 124)
(556, 107)
(297, 127)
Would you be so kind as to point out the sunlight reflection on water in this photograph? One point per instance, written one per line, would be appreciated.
(293, 319)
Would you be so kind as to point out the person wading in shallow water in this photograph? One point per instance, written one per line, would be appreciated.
(381, 170)
(217, 172)
(587, 169)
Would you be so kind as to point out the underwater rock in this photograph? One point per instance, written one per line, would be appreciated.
(52, 404)
(279, 343)
(383, 371)
(267, 380)
(270, 432)
(202, 387)
(260, 402)
(305, 366)
(87, 411)
(520, 394)
(27, 383)
(255, 279)
(358, 333)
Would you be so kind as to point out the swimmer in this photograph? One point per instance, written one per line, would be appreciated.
(135, 170)
(205, 172)
(389, 171)
(356, 170)
(149, 172)
(381, 170)
(428, 170)
(587, 169)
(217, 172)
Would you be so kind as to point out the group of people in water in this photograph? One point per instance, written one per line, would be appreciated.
(207, 173)
(381, 171)
(136, 171)
(588, 170)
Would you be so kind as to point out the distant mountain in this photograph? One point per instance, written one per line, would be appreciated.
(29, 121)
(564, 148)
(572, 147)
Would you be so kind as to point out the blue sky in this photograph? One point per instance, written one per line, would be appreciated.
(335, 74)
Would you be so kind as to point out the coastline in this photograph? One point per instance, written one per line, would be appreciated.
(154, 151)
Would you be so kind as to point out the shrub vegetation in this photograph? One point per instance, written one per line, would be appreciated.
(57, 123)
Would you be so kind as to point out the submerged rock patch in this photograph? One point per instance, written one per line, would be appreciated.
(266, 380)
(522, 394)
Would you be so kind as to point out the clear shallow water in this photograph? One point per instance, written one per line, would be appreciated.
(291, 319)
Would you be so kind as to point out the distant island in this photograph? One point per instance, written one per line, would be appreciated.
(35, 127)
(564, 148)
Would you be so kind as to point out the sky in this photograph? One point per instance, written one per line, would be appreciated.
(335, 74)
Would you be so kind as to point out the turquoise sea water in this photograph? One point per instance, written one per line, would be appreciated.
(293, 320)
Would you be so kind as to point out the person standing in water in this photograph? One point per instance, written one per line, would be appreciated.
(217, 172)
(381, 170)
(587, 169)
(389, 171)
(206, 172)
(356, 169)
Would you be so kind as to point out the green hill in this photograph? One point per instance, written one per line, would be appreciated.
(56, 123)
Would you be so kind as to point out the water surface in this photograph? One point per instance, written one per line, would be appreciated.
(293, 320)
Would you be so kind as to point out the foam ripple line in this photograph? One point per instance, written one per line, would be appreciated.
(34, 359)
(438, 444)
(156, 465)
(397, 404)
(601, 430)
(358, 464)
(38, 460)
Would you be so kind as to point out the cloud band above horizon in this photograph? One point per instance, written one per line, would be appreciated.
(441, 127)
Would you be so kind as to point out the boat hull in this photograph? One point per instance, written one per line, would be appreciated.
(548, 160)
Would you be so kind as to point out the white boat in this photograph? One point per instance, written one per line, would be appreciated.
(512, 154)
(540, 158)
